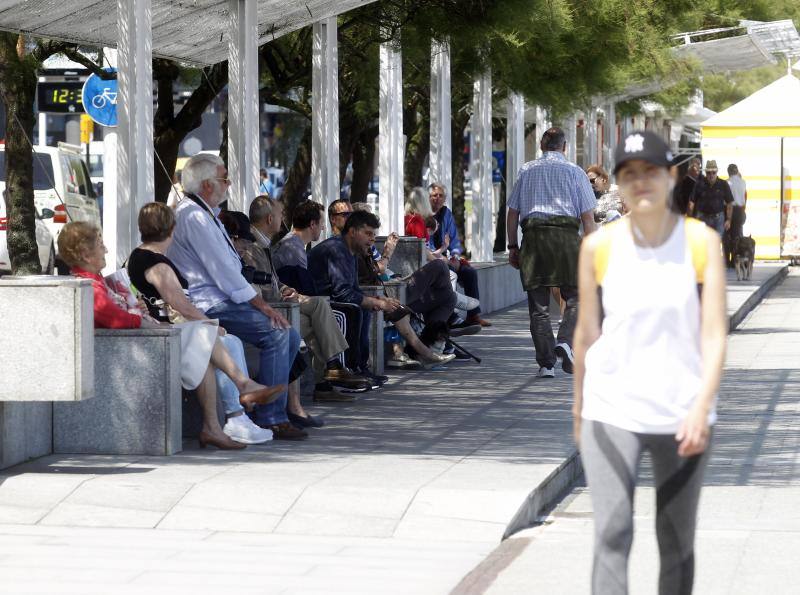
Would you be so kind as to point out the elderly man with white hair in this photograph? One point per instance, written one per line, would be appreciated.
(205, 255)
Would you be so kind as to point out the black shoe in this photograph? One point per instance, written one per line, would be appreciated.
(377, 379)
(464, 328)
(304, 422)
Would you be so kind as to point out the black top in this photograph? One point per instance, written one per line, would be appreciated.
(139, 262)
(711, 199)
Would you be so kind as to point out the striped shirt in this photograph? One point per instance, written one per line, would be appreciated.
(551, 186)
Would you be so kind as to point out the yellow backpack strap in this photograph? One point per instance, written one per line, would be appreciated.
(602, 251)
(698, 247)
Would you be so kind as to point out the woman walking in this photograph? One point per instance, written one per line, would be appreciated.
(649, 349)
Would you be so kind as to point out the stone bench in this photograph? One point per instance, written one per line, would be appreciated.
(137, 405)
(47, 344)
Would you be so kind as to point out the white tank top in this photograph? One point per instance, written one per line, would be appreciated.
(644, 371)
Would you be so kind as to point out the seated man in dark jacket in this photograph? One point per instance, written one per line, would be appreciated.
(334, 268)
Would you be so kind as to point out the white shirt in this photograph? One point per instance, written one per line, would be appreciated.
(644, 372)
(204, 254)
(738, 189)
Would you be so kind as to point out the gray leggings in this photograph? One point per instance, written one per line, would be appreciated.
(611, 458)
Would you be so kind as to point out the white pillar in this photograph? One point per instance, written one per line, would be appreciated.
(391, 143)
(43, 129)
(609, 136)
(135, 184)
(325, 112)
(571, 135)
(542, 124)
(243, 130)
(515, 139)
(481, 168)
(590, 137)
(441, 154)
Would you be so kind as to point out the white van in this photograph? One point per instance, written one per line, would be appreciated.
(44, 242)
(61, 187)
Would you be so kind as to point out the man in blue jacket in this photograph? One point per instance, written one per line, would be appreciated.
(334, 268)
(446, 238)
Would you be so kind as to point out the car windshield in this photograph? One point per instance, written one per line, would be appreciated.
(42, 170)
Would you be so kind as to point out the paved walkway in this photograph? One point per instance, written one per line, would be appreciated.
(748, 537)
(403, 491)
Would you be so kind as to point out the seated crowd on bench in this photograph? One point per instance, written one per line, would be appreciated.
(217, 277)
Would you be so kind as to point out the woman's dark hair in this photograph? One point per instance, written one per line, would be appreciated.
(230, 223)
(360, 219)
(156, 222)
(306, 213)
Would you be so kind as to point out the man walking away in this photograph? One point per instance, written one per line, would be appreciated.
(550, 200)
(738, 217)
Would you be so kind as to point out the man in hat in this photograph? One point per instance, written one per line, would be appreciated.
(550, 200)
(712, 200)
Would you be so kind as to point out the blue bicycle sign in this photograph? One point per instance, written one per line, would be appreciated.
(100, 99)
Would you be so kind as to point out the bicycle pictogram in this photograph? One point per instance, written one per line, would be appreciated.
(107, 96)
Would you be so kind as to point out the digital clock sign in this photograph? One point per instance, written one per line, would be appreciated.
(60, 98)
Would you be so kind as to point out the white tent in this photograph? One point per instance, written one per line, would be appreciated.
(761, 134)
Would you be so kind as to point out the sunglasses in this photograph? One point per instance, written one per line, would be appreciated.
(344, 214)
(435, 195)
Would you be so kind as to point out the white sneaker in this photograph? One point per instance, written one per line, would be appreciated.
(242, 429)
(564, 351)
(546, 373)
(464, 302)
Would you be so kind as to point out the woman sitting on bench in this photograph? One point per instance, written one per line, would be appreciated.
(81, 246)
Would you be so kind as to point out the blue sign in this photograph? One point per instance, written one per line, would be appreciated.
(100, 99)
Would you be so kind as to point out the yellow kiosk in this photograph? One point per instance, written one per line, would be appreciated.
(761, 134)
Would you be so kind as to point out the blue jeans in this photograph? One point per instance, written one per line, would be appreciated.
(715, 221)
(277, 346)
(225, 387)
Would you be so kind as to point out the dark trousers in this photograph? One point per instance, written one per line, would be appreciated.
(734, 233)
(355, 323)
(542, 328)
(430, 293)
(468, 278)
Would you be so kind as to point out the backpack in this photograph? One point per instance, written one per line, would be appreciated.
(695, 238)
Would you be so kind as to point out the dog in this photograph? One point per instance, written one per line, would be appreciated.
(744, 251)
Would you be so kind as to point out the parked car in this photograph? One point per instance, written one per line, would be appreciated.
(44, 241)
(62, 189)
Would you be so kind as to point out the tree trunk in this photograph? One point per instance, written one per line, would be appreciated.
(299, 174)
(170, 129)
(363, 164)
(18, 90)
(460, 121)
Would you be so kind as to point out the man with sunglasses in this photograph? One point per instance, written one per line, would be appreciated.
(446, 239)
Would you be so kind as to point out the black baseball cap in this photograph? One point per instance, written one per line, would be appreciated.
(644, 145)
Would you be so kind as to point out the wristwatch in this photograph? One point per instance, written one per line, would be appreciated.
(512, 247)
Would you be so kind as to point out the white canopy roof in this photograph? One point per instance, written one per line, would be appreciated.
(193, 31)
(777, 104)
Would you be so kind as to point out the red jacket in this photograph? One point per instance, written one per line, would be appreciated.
(107, 314)
(415, 226)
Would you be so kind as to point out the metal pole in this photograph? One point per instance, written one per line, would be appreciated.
(391, 142)
(325, 112)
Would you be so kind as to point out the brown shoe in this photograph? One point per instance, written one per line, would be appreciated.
(346, 379)
(286, 431)
(331, 396)
(478, 320)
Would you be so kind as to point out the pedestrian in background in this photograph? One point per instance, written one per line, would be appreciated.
(649, 350)
(684, 190)
(550, 200)
(712, 201)
(738, 216)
